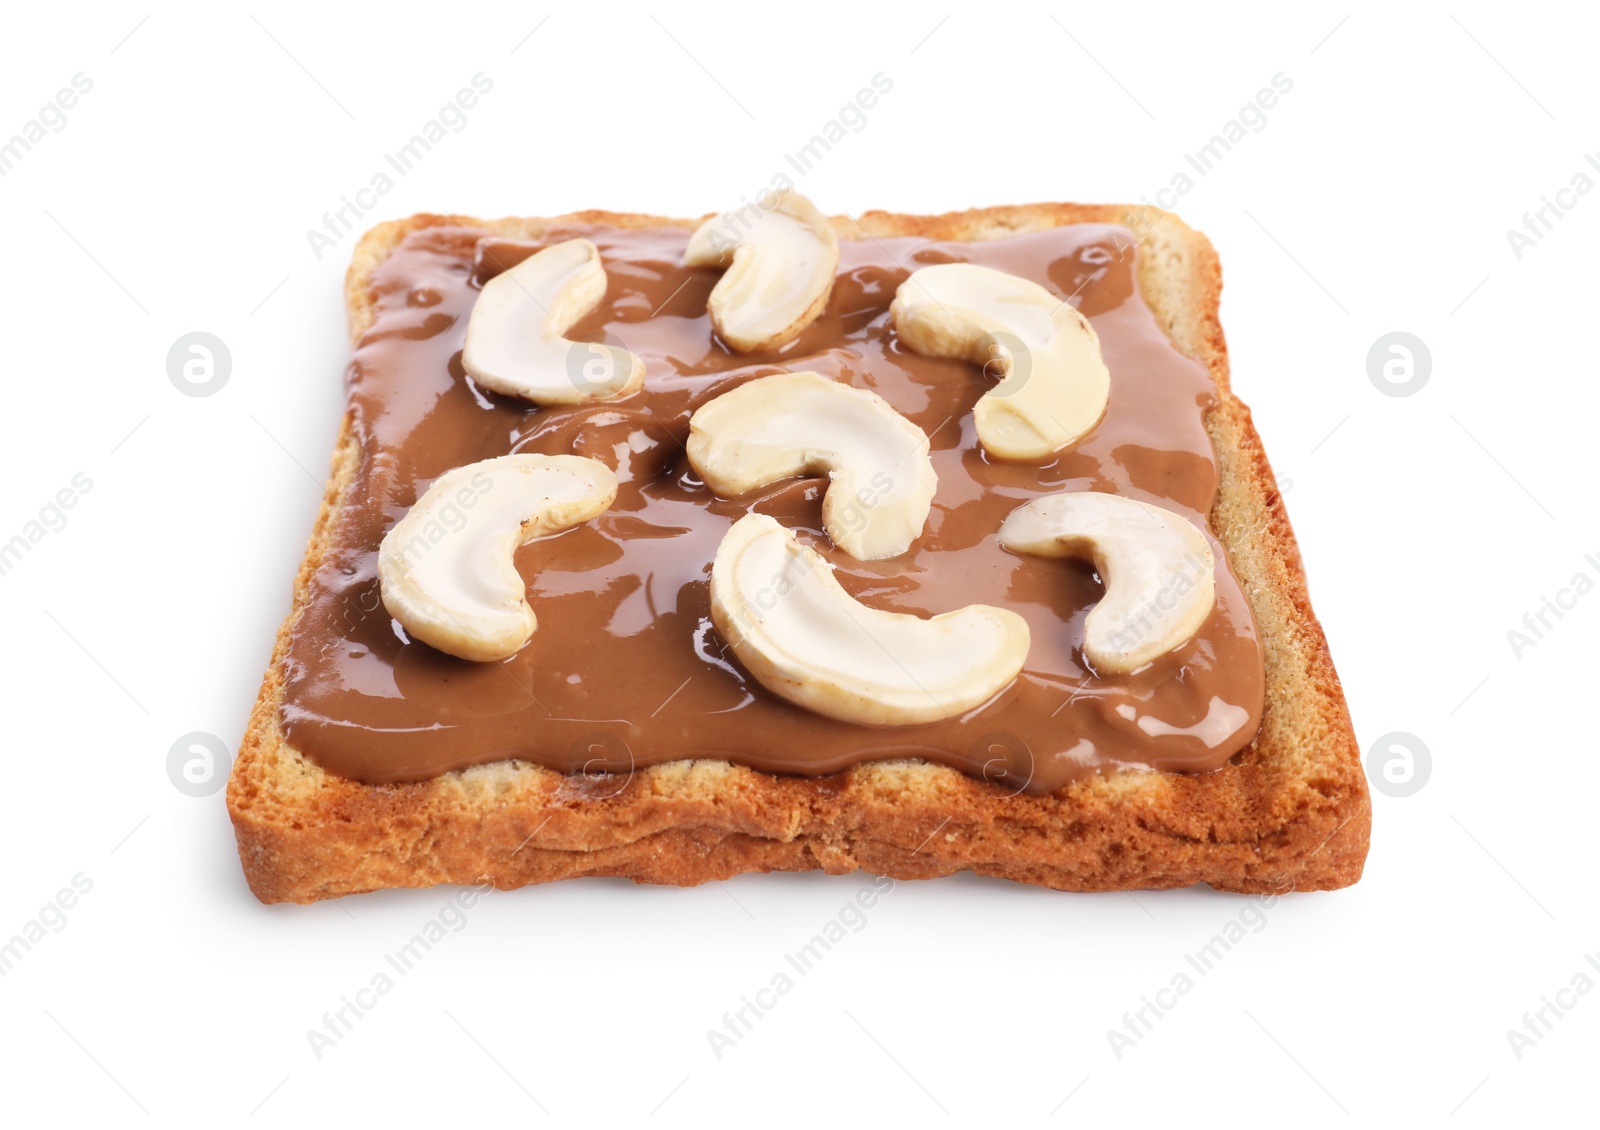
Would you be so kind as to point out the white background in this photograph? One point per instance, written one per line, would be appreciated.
(1377, 198)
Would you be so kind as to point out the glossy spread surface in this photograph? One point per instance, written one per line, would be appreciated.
(626, 669)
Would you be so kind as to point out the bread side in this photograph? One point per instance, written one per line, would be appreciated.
(1291, 811)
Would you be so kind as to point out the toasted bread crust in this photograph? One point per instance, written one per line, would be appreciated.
(1291, 811)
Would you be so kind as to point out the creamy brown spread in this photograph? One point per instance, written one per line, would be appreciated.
(626, 669)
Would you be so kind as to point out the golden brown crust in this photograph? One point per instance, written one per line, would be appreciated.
(1291, 811)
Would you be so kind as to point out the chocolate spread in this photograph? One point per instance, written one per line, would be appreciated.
(626, 669)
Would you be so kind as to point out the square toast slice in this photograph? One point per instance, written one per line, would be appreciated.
(1288, 812)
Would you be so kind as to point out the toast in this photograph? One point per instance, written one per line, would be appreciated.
(1289, 811)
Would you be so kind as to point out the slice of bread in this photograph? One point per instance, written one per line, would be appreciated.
(1290, 811)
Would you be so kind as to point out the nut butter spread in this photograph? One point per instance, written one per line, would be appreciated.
(625, 669)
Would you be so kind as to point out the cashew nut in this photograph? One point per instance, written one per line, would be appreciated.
(783, 261)
(881, 479)
(516, 341)
(446, 569)
(1158, 571)
(1055, 384)
(803, 637)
